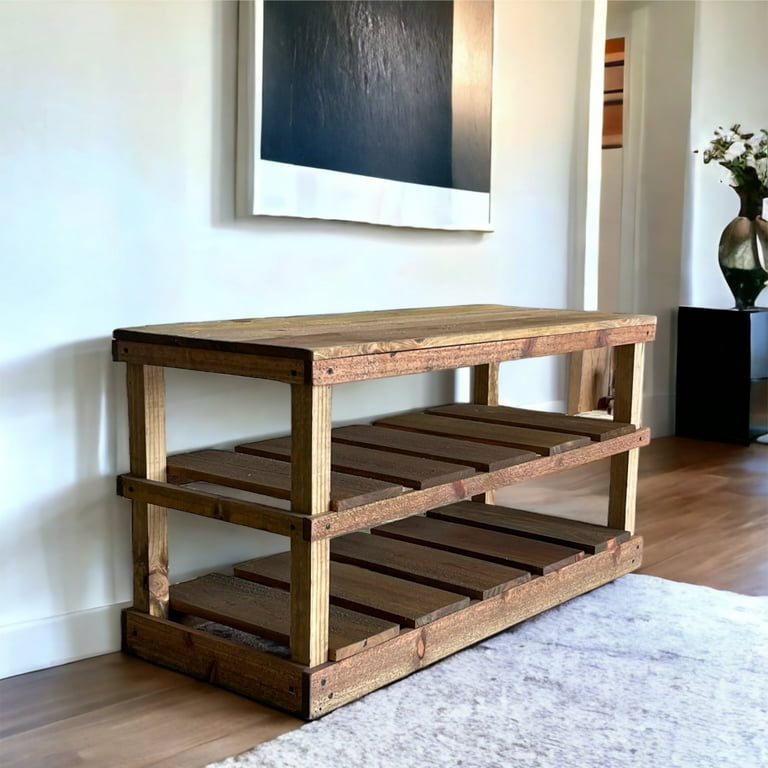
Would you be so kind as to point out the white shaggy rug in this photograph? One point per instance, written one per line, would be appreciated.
(643, 672)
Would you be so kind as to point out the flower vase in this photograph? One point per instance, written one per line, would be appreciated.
(738, 252)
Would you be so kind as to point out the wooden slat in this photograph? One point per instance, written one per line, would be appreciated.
(469, 576)
(198, 501)
(538, 441)
(368, 462)
(219, 661)
(335, 524)
(536, 556)
(264, 611)
(590, 538)
(594, 429)
(414, 649)
(276, 368)
(376, 594)
(484, 457)
(270, 477)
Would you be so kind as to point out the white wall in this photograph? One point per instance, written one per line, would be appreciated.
(117, 136)
(730, 67)
(659, 40)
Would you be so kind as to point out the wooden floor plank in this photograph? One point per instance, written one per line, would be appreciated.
(539, 557)
(469, 576)
(394, 599)
(539, 441)
(557, 530)
(482, 456)
(594, 429)
(87, 711)
(271, 477)
(410, 471)
(263, 611)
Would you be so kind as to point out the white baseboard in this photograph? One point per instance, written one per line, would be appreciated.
(59, 640)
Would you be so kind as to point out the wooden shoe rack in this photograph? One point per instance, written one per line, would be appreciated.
(396, 555)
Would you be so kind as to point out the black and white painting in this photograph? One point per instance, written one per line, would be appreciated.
(367, 110)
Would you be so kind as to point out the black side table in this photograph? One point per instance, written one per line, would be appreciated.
(722, 374)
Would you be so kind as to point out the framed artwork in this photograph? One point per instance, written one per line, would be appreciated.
(376, 111)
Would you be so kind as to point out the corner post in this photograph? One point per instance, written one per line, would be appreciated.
(146, 435)
(310, 495)
(628, 394)
(485, 391)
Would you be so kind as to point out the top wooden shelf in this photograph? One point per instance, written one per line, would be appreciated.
(334, 348)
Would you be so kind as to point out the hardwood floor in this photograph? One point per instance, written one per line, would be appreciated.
(702, 509)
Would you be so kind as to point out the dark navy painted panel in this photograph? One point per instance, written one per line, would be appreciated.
(360, 87)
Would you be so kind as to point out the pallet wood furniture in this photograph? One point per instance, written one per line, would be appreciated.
(397, 557)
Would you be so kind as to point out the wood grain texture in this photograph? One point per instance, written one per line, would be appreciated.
(418, 648)
(88, 714)
(376, 365)
(145, 387)
(539, 441)
(410, 471)
(335, 524)
(594, 429)
(557, 530)
(701, 512)
(362, 333)
(538, 557)
(264, 611)
(310, 639)
(589, 375)
(272, 478)
(211, 504)
(485, 384)
(628, 382)
(485, 391)
(283, 369)
(407, 603)
(217, 660)
(464, 575)
(481, 456)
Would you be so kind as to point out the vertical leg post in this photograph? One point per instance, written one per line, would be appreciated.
(146, 430)
(628, 379)
(310, 494)
(485, 391)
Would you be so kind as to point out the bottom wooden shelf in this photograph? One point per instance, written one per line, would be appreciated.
(402, 597)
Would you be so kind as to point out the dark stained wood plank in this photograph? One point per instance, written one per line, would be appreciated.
(594, 429)
(270, 477)
(367, 462)
(407, 603)
(557, 530)
(264, 611)
(334, 524)
(417, 648)
(539, 557)
(538, 441)
(469, 576)
(485, 457)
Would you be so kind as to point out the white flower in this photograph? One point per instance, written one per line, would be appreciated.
(735, 150)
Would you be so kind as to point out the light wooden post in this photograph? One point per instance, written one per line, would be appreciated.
(589, 374)
(310, 494)
(485, 391)
(146, 430)
(628, 394)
